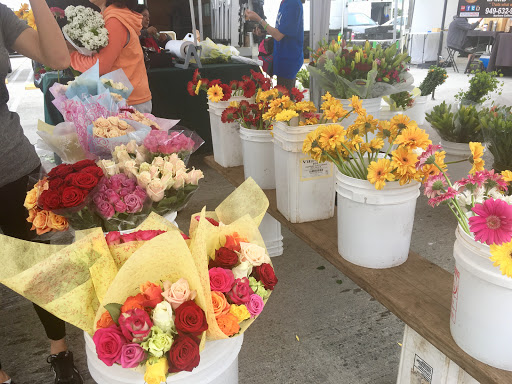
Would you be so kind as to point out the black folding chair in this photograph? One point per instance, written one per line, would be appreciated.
(451, 59)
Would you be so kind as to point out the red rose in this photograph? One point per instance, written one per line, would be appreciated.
(265, 274)
(94, 170)
(79, 165)
(68, 180)
(190, 319)
(61, 170)
(224, 258)
(84, 180)
(72, 197)
(184, 354)
(50, 200)
(55, 184)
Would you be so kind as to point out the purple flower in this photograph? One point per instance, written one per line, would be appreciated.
(129, 184)
(120, 206)
(131, 355)
(111, 196)
(133, 203)
(141, 192)
(125, 191)
(105, 209)
(99, 197)
(116, 181)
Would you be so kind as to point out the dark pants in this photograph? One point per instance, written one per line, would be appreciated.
(13, 222)
(287, 83)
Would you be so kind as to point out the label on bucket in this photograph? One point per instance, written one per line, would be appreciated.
(455, 294)
(423, 368)
(311, 170)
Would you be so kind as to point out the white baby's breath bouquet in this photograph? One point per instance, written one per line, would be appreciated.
(85, 29)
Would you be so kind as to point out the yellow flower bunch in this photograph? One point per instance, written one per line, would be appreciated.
(356, 150)
(286, 115)
(215, 93)
(24, 13)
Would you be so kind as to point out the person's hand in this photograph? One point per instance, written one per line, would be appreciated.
(252, 16)
(152, 30)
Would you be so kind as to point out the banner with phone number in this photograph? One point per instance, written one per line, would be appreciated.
(485, 8)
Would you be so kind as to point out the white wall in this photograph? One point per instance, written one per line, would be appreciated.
(429, 13)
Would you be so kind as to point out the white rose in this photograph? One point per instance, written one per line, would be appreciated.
(143, 179)
(158, 162)
(179, 179)
(244, 269)
(156, 190)
(254, 254)
(108, 167)
(163, 317)
(194, 176)
(131, 147)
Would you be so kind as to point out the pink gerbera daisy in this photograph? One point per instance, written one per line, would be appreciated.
(435, 185)
(428, 156)
(449, 194)
(493, 225)
(494, 179)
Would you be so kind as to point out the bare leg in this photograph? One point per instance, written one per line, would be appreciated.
(3, 376)
(57, 346)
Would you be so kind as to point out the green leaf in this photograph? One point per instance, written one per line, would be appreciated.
(339, 281)
(115, 311)
(320, 268)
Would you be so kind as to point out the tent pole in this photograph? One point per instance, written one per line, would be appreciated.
(395, 15)
(441, 35)
(193, 17)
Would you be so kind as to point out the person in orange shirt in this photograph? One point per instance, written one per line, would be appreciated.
(123, 50)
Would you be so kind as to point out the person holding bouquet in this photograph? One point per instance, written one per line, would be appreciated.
(123, 50)
(288, 55)
(18, 158)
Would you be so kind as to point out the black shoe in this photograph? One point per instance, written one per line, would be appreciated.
(64, 369)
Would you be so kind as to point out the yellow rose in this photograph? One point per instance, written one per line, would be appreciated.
(99, 132)
(31, 199)
(40, 222)
(123, 125)
(254, 254)
(57, 222)
(240, 311)
(157, 372)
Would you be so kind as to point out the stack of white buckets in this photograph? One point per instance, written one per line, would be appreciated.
(234, 146)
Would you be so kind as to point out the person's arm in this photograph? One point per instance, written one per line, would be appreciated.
(46, 45)
(274, 32)
(117, 38)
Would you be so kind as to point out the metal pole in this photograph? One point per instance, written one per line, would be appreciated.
(193, 17)
(441, 35)
(319, 30)
(200, 12)
(402, 29)
(395, 15)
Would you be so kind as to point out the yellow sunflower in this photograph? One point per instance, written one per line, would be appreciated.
(507, 176)
(31, 21)
(357, 105)
(477, 151)
(404, 161)
(355, 143)
(379, 172)
(366, 124)
(305, 106)
(286, 115)
(376, 144)
(331, 137)
(402, 122)
(413, 137)
(386, 131)
(502, 257)
(215, 93)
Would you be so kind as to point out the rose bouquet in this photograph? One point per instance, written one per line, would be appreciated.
(85, 29)
(356, 154)
(70, 188)
(182, 142)
(120, 203)
(365, 72)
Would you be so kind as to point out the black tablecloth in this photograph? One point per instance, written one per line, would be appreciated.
(170, 97)
(501, 54)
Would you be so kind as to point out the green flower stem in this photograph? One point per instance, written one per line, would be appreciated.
(356, 164)
(456, 161)
(340, 165)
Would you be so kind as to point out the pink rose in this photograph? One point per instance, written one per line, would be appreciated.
(116, 181)
(126, 238)
(177, 293)
(125, 191)
(112, 196)
(241, 292)
(130, 184)
(140, 192)
(131, 355)
(99, 197)
(113, 238)
(148, 234)
(109, 343)
(105, 209)
(135, 325)
(120, 206)
(133, 203)
(255, 305)
(221, 280)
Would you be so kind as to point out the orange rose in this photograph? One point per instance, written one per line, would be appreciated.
(228, 324)
(105, 321)
(32, 215)
(57, 222)
(220, 304)
(152, 294)
(40, 223)
(233, 242)
(31, 199)
(133, 302)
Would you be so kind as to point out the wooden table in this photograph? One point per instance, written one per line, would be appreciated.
(418, 292)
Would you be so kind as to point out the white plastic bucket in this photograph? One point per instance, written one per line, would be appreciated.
(457, 152)
(270, 230)
(375, 226)
(417, 112)
(481, 304)
(372, 107)
(258, 157)
(386, 114)
(304, 187)
(218, 365)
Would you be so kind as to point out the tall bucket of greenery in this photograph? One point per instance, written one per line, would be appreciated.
(369, 73)
(376, 192)
(497, 131)
(482, 292)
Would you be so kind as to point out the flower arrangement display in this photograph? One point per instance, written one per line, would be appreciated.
(357, 155)
(460, 125)
(70, 188)
(217, 91)
(182, 142)
(479, 202)
(480, 85)
(110, 127)
(435, 77)
(42, 221)
(365, 72)
(497, 127)
(120, 203)
(85, 29)
(133, 114)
